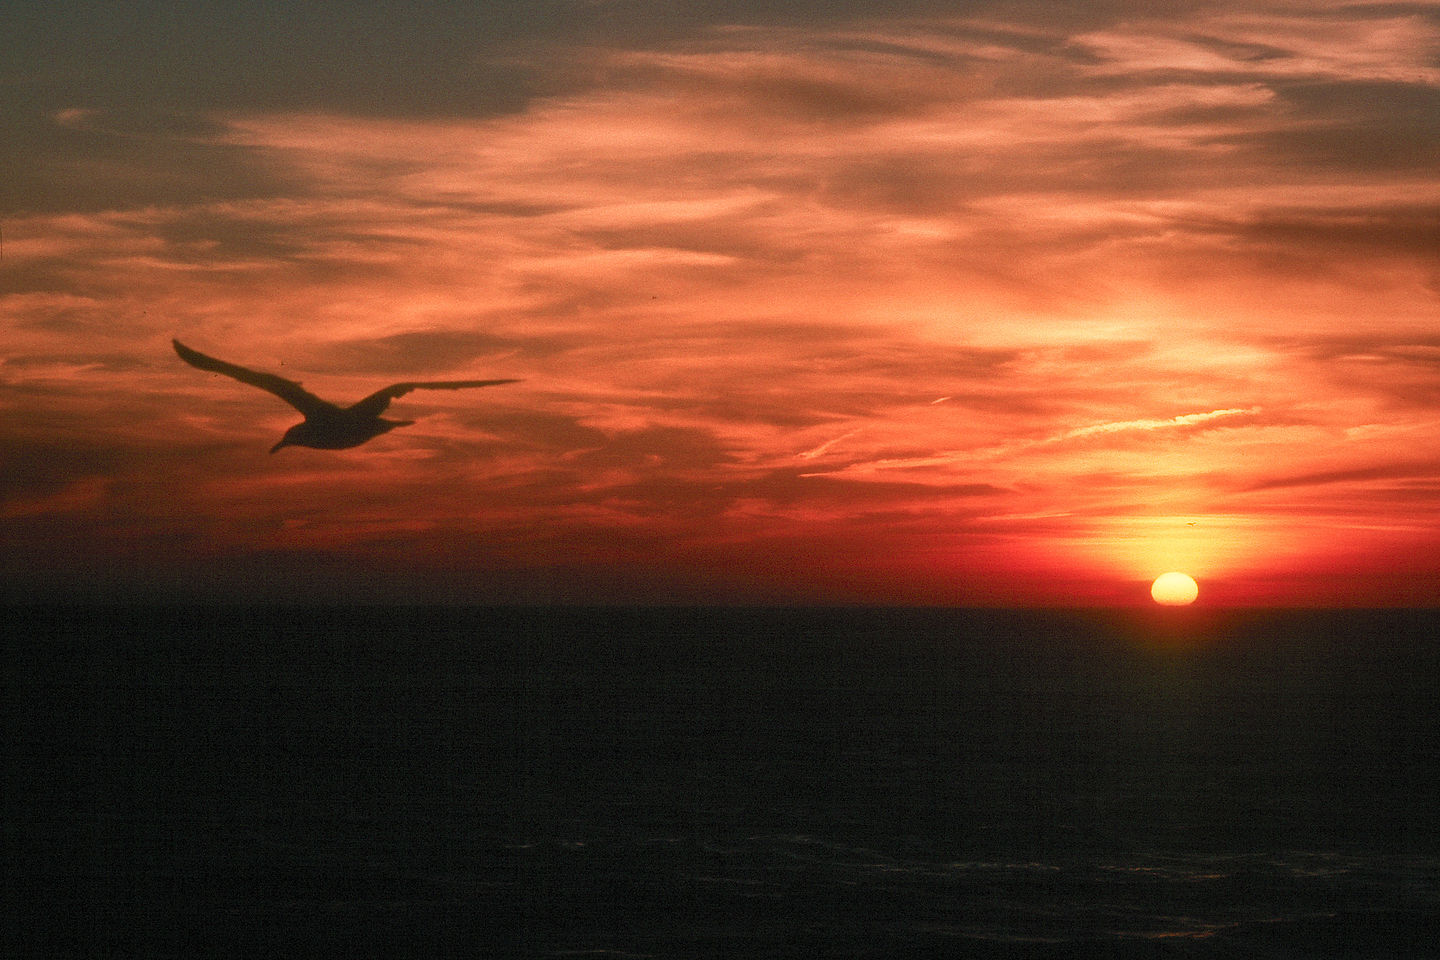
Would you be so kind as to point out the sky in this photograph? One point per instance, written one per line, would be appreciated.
(960, 303)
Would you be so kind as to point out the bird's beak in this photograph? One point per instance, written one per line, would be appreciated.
(282, 443)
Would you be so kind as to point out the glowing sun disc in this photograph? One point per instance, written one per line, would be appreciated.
(1174, 589)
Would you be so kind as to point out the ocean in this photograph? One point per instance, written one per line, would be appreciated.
(720, 783)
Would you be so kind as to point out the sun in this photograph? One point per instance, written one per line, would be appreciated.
(1174, 589)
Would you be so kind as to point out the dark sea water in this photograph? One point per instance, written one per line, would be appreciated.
(444, 782)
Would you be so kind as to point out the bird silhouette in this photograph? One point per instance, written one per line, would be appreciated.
(327, 426)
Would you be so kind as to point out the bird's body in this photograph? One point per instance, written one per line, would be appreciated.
(327, 426)
(339, 430)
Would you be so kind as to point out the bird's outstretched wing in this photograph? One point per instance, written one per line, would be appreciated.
(287, 390)
(375, 404)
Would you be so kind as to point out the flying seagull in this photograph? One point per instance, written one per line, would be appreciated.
(326, 426)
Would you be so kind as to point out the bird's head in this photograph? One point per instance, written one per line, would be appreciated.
(294, 437)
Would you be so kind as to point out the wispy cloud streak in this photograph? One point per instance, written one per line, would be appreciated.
(1181, 420)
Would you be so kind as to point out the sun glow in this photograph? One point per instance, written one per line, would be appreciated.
(1174, 589)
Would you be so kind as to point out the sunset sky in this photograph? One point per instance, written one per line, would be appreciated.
(903, 302)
